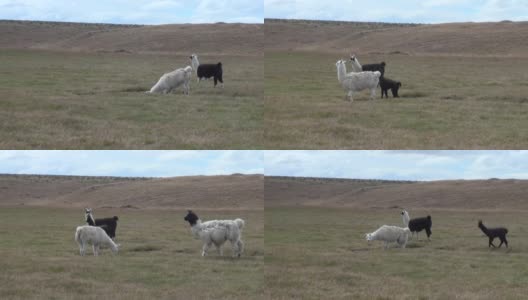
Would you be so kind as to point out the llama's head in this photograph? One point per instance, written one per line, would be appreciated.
(89, 216)
(115, 248)
(368, 237)
(191, 217)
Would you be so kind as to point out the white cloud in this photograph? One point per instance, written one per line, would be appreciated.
(134, 11)
(131, 163)
(414, 11)
(401, 165)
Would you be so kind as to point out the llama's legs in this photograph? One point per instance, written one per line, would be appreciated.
(205, 248)
(501, 242)
(219, 250)
(505, 242)
(372, 93)
(94, 250)
(491, 242)
(81, 249)
(240, 247)
(350, 96)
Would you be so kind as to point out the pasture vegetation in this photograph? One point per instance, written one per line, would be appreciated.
(74, 100)
(446, 103)
(158, 258)
(321, 253)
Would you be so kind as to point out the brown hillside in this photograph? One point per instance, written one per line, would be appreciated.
(495, 39)
(456, 194)
(212, 192)
(217, 39)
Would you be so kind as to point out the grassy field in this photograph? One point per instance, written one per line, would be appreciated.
(446, 103)
(159, 259)
(318, 253)
(70, 100)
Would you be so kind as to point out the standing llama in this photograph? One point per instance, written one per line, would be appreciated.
(206, 71)
(217, 232)
(417, 224)
(95, 236)
(357, 67)
(355, 82)
(492, 233)
(109, 225)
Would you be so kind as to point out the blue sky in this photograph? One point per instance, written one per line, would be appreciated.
(401, 11)
(135, 11)
(398, 165)
(131, 163)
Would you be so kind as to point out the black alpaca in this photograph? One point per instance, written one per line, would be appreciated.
(417, 224)
(493, 233)
(211, 70)
(387, 84)
(109, 225)
(370, 67)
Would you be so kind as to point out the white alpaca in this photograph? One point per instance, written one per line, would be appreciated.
(95, 236)
(355, 82)
(172, 80)
(390, 234)
(217, 232)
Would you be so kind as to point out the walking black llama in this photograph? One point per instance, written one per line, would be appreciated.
(492, 233)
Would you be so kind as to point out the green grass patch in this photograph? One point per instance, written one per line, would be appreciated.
(321, 253)
(55, 100)
(445, 103)
(158, 257)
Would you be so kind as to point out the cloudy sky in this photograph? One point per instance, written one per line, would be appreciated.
(398, 165)
(135, 11)
(131, 163)
(401, 11)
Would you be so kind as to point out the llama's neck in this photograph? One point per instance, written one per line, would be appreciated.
(195, 63)
(341, 72)
(197, 228)
(357, 63)
(406, 219)
(90, 220)
(112, 244)
(483, 228)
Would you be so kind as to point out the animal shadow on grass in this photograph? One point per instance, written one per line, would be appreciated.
(145, 248)
(414, 244)
(413, 95)
(135, 89)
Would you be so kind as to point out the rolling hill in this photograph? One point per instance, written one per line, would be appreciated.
(205, 39)
(211, 192)
(452, 194)
(465, 39)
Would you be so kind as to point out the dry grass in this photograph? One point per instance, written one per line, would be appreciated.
(159, 259)
(54, 100)
(446, 103)
(321, 253)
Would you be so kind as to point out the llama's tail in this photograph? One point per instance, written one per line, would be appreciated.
(78, 235)
(116, 218)
(505, 230)
(240, 223)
